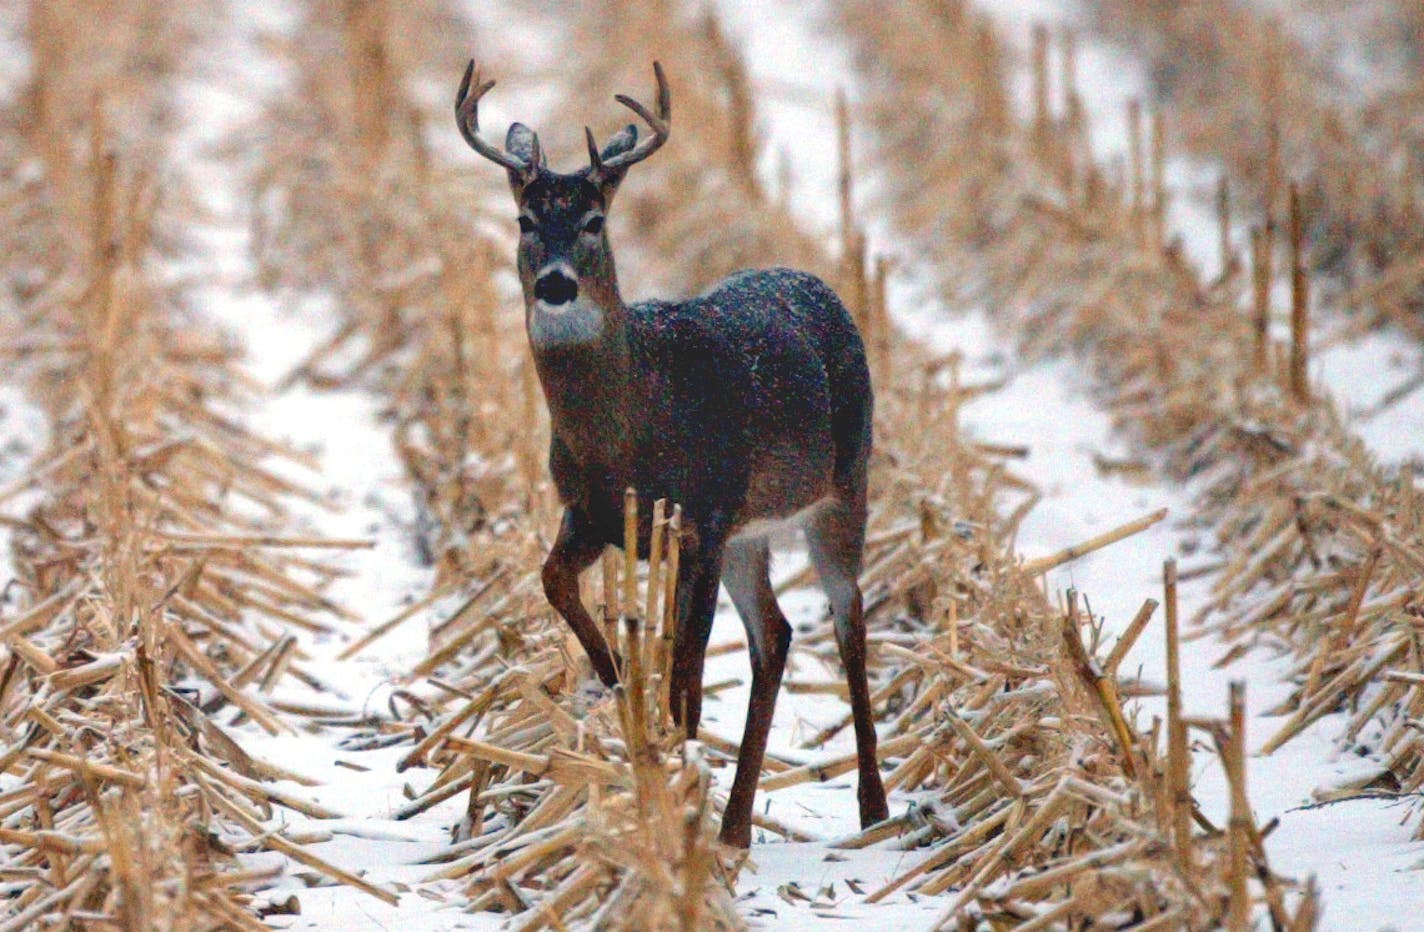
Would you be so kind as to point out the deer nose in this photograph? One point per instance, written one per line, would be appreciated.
(555, 287)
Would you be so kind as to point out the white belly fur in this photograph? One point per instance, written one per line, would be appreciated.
(759, 528)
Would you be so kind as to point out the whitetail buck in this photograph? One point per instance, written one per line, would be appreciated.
(750, 405)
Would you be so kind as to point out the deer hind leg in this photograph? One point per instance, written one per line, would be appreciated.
(746, 574)
(835, 536)
(575, 550)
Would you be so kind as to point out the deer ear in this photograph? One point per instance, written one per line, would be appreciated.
(621, 141)
(521, 144)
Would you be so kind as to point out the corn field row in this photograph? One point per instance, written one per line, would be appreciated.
(169, 604)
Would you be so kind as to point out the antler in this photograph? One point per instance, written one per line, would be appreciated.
(467, 117)
(660, 124)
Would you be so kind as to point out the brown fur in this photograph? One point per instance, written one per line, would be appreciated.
(748, 405)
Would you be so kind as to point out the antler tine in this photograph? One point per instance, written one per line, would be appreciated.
(467, 117)
(593, 158)
(660, 123)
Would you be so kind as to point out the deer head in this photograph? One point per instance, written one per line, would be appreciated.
(565, 261)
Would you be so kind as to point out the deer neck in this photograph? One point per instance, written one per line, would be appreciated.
(588, 383)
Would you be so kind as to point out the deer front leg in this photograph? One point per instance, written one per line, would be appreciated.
(696, 607)
(575, 550)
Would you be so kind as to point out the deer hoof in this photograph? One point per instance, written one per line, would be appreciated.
(608, 668)
(731, 860)
(735, 838)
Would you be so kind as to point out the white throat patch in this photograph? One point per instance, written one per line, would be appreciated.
(568, 324)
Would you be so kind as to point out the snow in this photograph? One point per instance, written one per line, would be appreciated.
(1363, 867)
(365, 496)
(1368, 853)
(1362, 372)
(23, 435)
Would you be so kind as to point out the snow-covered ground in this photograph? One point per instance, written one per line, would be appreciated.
(23, 434)
(1365, 867)
(370, 499)
(366, 496)
(1361, 865)
(1359, 370)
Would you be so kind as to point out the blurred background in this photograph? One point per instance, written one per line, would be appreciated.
(1139, 282)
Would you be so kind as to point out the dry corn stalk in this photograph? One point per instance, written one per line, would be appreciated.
(1052, 250)
(152, 585)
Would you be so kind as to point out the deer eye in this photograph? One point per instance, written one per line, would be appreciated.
(526, 225)
(593, 225)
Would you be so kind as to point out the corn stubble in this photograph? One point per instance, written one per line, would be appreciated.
(1247, 92)
(577, 805)
(160, 579)
(585, 808)
(1045, 803)
(1319, 541)
(1075, 257)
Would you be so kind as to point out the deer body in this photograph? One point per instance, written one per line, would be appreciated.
(749, 405)
(733, 398)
